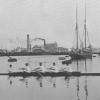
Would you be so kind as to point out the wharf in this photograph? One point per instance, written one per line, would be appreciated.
(30, 54)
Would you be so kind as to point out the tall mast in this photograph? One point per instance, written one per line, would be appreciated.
(85, 26)
(76, 28)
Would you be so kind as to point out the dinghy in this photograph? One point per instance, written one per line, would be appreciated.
(12, 59)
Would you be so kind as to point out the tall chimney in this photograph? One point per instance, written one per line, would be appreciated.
(28, 43)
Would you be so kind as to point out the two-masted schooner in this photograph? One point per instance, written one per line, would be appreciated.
(84, 51)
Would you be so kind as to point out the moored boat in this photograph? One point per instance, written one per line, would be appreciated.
(12, 59)
(82, 50)
(65, 59)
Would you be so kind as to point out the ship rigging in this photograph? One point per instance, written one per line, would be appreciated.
(83, 52)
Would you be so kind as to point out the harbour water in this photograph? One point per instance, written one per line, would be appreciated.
(50, 88)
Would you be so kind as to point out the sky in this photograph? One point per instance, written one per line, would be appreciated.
(53, 20)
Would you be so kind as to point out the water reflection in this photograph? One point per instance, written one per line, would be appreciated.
(39, 79)
(67, 80)
(58, 88)
(85, 82)
(10, 80)
(50, 80)
(78, 86)
(24, 80)
(86, 87)
(78, 89)
(53, 79)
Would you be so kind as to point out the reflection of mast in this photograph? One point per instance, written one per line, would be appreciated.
(78, 87)
(77, 66)
(85, 87)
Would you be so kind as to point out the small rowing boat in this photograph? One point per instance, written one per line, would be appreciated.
(65, 59)
(12, 60)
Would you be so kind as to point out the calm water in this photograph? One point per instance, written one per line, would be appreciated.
(50, 88)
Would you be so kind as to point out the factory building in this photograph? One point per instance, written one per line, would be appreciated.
(51, 47)
(44, 48)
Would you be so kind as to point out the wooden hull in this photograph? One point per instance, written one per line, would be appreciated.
(81, 55)
(40, 74)
(12, 60)
(67, 62)
(48, 74)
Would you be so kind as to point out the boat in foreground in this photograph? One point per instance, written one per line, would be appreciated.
(41, 74)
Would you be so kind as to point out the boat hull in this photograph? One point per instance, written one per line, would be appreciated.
(67, 62)
(40, 74)
(81, 56)
(12, 60)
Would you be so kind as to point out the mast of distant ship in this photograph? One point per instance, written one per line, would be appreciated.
(76, 28)
(85, 26)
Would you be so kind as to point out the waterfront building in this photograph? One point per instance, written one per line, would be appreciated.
(38, 49)
(3, 51)
(51, 47)
(19, 49)
(62, 50)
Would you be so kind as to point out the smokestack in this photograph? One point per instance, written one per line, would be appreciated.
(28, 43)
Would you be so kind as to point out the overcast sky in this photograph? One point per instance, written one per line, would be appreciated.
(53, 20)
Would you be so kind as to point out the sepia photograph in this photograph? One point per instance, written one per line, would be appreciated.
(49, 50)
